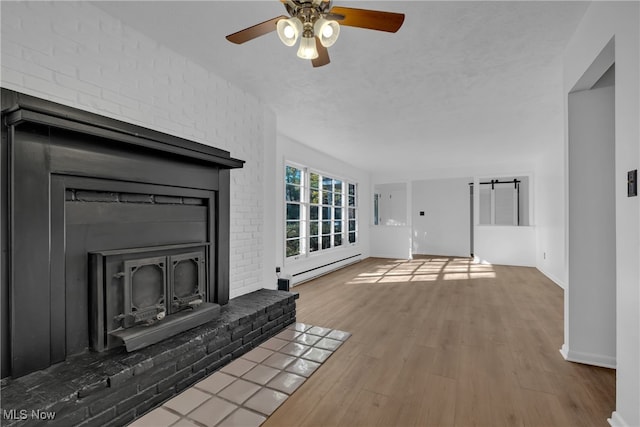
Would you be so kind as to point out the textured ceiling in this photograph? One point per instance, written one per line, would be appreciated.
(461, 83)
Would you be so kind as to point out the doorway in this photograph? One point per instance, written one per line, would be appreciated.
(590, 300)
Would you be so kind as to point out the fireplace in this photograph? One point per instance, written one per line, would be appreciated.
(113, 235)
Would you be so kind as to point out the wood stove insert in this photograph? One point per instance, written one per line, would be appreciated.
(143, 295)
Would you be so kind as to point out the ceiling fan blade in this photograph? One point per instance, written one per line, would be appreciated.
(323, 55)
(334, 16)
(257, 30)
(370, 19)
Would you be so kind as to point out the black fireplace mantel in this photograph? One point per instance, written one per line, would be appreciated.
(19, 108)
(50, 151)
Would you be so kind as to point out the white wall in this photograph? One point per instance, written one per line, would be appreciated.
(270, 204)
(550, 212)
(391, 241)
(392, 238)
(77, 55)
(445, 227)
(506, 245)
(290, 150)
(602, 22)
(392, 203)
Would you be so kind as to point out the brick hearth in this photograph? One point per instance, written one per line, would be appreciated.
(112, 389)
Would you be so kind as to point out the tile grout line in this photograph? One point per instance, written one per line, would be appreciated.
(289, 335)
(283, 369)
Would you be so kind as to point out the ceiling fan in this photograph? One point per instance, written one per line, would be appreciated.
(317, 24)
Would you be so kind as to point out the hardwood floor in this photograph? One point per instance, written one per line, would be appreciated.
(440, 341)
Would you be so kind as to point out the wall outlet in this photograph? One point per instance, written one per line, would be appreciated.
(277, 269)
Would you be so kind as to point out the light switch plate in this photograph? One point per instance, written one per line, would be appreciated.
(632, 183)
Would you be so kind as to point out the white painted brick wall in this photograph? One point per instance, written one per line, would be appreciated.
(77, 55)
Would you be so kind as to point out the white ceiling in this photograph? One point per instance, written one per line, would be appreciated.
(460, 84)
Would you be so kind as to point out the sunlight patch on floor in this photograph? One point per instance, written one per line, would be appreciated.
(427, 270)
(424, 278)
(394, 279)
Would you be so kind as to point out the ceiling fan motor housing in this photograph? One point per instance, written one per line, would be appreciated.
(313, 9)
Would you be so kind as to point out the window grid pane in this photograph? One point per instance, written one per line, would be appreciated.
(327, 183)
(313, 244)
(327, 197)
(293, 229)
(314, 212)
(314, 180)
(314, 228)
(326, 227)
(293, 247)
(293, 211)
(293, 192)
(293, 175)
(315, 196)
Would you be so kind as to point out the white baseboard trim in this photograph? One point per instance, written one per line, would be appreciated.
(554, 279)
(317, 272)
(588, 358)
(617, 421)
(564, 351)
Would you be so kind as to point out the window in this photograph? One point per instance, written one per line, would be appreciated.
(321, 212)
(390, 204)
(353, 217)
(504, 201)
(294, 211)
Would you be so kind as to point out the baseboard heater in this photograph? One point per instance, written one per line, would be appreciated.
(324, 266)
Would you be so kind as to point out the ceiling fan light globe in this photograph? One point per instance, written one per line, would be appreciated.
(307, 49)
(289, 30)
(327, 31)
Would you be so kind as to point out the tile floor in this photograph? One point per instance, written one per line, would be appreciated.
(249, 389)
